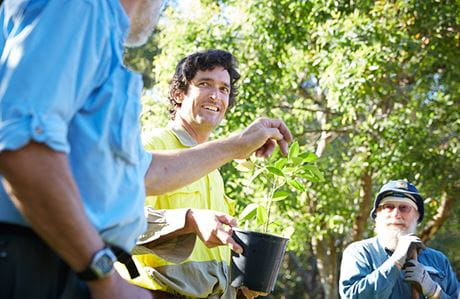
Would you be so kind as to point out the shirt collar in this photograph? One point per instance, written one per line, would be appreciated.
(182, 135)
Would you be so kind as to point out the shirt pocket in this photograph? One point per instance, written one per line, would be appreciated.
(125, 130)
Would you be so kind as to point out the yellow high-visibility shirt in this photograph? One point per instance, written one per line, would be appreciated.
(205, 272)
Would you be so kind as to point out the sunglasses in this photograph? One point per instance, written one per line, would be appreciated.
(389, 207)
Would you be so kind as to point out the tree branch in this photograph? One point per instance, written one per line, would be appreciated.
(306, 109)
(442, 213)
(344, 130)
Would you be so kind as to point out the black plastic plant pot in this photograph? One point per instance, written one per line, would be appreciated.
(258, 266)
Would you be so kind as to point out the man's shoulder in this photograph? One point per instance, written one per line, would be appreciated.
(362, 245)
(434, 253)
(159, 139)
(364, 242)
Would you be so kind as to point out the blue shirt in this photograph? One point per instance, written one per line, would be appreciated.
(63, 84)
(364, 273)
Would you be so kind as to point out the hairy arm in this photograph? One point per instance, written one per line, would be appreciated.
(42, 188)
(173, 169)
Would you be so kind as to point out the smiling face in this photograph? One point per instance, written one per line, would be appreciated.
(204, 104)
(395, 219)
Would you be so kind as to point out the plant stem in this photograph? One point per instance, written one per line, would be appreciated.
(270, 200)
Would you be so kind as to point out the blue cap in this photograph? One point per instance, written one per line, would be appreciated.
(399, 188)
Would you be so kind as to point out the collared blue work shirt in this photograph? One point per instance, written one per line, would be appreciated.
(63, 84)
(364, 273)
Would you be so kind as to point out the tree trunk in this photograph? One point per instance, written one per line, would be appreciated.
(309, 275)
(365, 195)
(324, 249)
(326, 255)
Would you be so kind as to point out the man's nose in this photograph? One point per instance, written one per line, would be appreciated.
(396, 212)
(214, 94)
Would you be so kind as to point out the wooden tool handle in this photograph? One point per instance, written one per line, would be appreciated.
(414, 292)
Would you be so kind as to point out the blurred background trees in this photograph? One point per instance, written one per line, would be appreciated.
(372, 87)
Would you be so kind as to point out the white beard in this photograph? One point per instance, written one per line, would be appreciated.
(388, 236)
(144, 22)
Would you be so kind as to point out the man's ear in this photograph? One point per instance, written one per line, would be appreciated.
(178, 97)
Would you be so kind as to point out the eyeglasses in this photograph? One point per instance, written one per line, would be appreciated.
(389, 207)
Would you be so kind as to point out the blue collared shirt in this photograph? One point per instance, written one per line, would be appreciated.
(63, 84)
(364, 273)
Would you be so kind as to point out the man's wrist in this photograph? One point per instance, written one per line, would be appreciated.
(232, 147)
(396, 262)
(100, 266)
(435, 292)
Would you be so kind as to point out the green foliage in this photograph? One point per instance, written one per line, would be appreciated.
(372, 87)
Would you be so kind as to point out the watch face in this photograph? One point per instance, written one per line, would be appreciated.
(103, 262)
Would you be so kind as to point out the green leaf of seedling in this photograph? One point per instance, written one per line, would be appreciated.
(276, 223)
(262, 215)
(249, 212)
(293, 150)
(296, 185)
(275, 171)
(297, 161)
(318, 174)
(313, 174)
(280, 163)
(308, 157)
(310, 177)
(244, 165)
(254, 176)
(280, 195)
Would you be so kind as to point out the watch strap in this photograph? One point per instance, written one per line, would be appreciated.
(126, 259)
(90, 273)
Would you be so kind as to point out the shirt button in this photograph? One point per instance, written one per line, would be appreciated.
(38, 130)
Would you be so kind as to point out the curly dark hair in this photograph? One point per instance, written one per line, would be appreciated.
(187, 68)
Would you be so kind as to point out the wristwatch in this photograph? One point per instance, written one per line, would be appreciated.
(101, 265)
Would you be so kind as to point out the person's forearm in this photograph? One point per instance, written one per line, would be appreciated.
(170, 170)
(41, 186)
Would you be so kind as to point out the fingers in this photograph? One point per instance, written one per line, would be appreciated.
(410, 263)
(283, 146)
(247, 293)
(215, 229)
(234, 246)
(251, 294)
(226, 219)
(412, 238)
(224, 234)
(277, 130)
(280, 126)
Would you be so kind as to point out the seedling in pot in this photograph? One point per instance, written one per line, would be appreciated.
(285, 176)
(258, 266)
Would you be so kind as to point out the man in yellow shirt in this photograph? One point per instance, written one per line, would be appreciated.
(202, 90)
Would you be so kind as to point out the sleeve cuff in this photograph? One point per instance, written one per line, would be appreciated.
(16, 133)
(390, 270)
(161, 223)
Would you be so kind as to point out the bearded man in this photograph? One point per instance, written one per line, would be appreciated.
(387, 265)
